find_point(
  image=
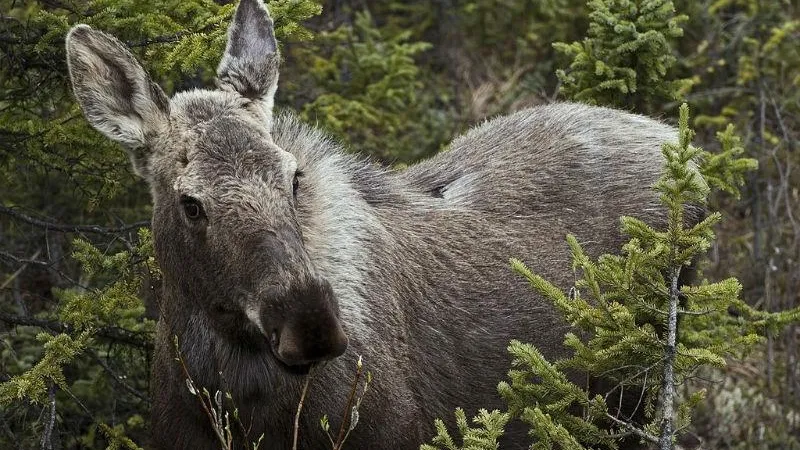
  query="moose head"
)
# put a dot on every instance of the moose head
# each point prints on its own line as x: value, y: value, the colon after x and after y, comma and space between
x: 227, y: 231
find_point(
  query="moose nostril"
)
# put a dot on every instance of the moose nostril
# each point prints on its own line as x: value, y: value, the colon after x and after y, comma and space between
x: 273, y: 337
x: 288, y: 346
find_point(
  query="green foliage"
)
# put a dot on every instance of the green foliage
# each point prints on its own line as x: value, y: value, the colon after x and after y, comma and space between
x: 367, y: 76
x: 34, y: 384
x: 91, y: 317
x: 288, y: 16
x: 195, y: 31
x: 621, y: 323
x: 490, y: 427
x: 118, y: 303
x: 542, y: 396
x: 117, y: 439
x: 625, y: 59
x: 725, y: 170
x: 747, y: 64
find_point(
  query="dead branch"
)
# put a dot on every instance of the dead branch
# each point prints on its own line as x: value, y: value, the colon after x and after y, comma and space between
x: 72, y: 228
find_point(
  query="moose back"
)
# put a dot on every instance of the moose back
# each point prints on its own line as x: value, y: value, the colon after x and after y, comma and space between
x: 280, y: 251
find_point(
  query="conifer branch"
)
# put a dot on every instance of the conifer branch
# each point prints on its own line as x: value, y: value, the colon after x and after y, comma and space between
x: 67, y: 228
x: 117, y: 335
x: 171, y: 38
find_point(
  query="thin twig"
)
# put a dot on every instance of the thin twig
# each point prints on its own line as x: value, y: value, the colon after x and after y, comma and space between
x: 641, y: 396
x: 236, y: 417
x: 199, y: 394
x: 629, y: 379
x: 348, y: 405
x: 118, y: 379
x: 788, y: 139
x: 642, y: 434
x: 357, y: 407
x: 14, y: 275
x: 297, y: 415
x: 48, y: 265
x: 80, y: 404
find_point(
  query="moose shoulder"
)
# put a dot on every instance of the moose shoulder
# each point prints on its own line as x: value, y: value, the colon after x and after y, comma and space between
x: 280, y: 251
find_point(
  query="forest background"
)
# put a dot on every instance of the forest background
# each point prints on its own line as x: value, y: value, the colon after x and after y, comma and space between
x: 397, y: 81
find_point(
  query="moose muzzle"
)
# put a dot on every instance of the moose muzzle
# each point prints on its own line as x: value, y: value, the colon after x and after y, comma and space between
x: 303, y: 342
x: 310, y: 331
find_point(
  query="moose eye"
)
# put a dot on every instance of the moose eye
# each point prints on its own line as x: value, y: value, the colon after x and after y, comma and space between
x: 296, y: 182
x: 191, y: 207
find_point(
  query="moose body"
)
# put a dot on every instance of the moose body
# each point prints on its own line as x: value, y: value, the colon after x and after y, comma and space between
x: 280, y: 250
x: 418, y: 261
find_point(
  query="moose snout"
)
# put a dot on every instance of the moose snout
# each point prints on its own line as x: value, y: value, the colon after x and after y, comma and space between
x: 308, y: 341
x: 309, y: 330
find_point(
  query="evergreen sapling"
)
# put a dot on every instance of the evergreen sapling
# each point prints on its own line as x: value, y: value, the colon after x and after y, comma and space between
x: 635, y: 327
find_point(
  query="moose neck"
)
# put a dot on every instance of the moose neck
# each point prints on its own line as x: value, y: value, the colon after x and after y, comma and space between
x: 340, y: 213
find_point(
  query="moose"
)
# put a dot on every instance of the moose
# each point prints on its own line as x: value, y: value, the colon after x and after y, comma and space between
x: 283, y: 253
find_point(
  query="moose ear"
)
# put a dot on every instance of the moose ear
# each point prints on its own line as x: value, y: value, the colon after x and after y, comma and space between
x: 250, y: 63
x: 117, y: 96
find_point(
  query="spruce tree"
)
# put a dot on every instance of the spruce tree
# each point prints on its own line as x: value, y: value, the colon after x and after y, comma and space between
x: 364, y: 74
x: 624, y: 293
x: 626, y: 57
